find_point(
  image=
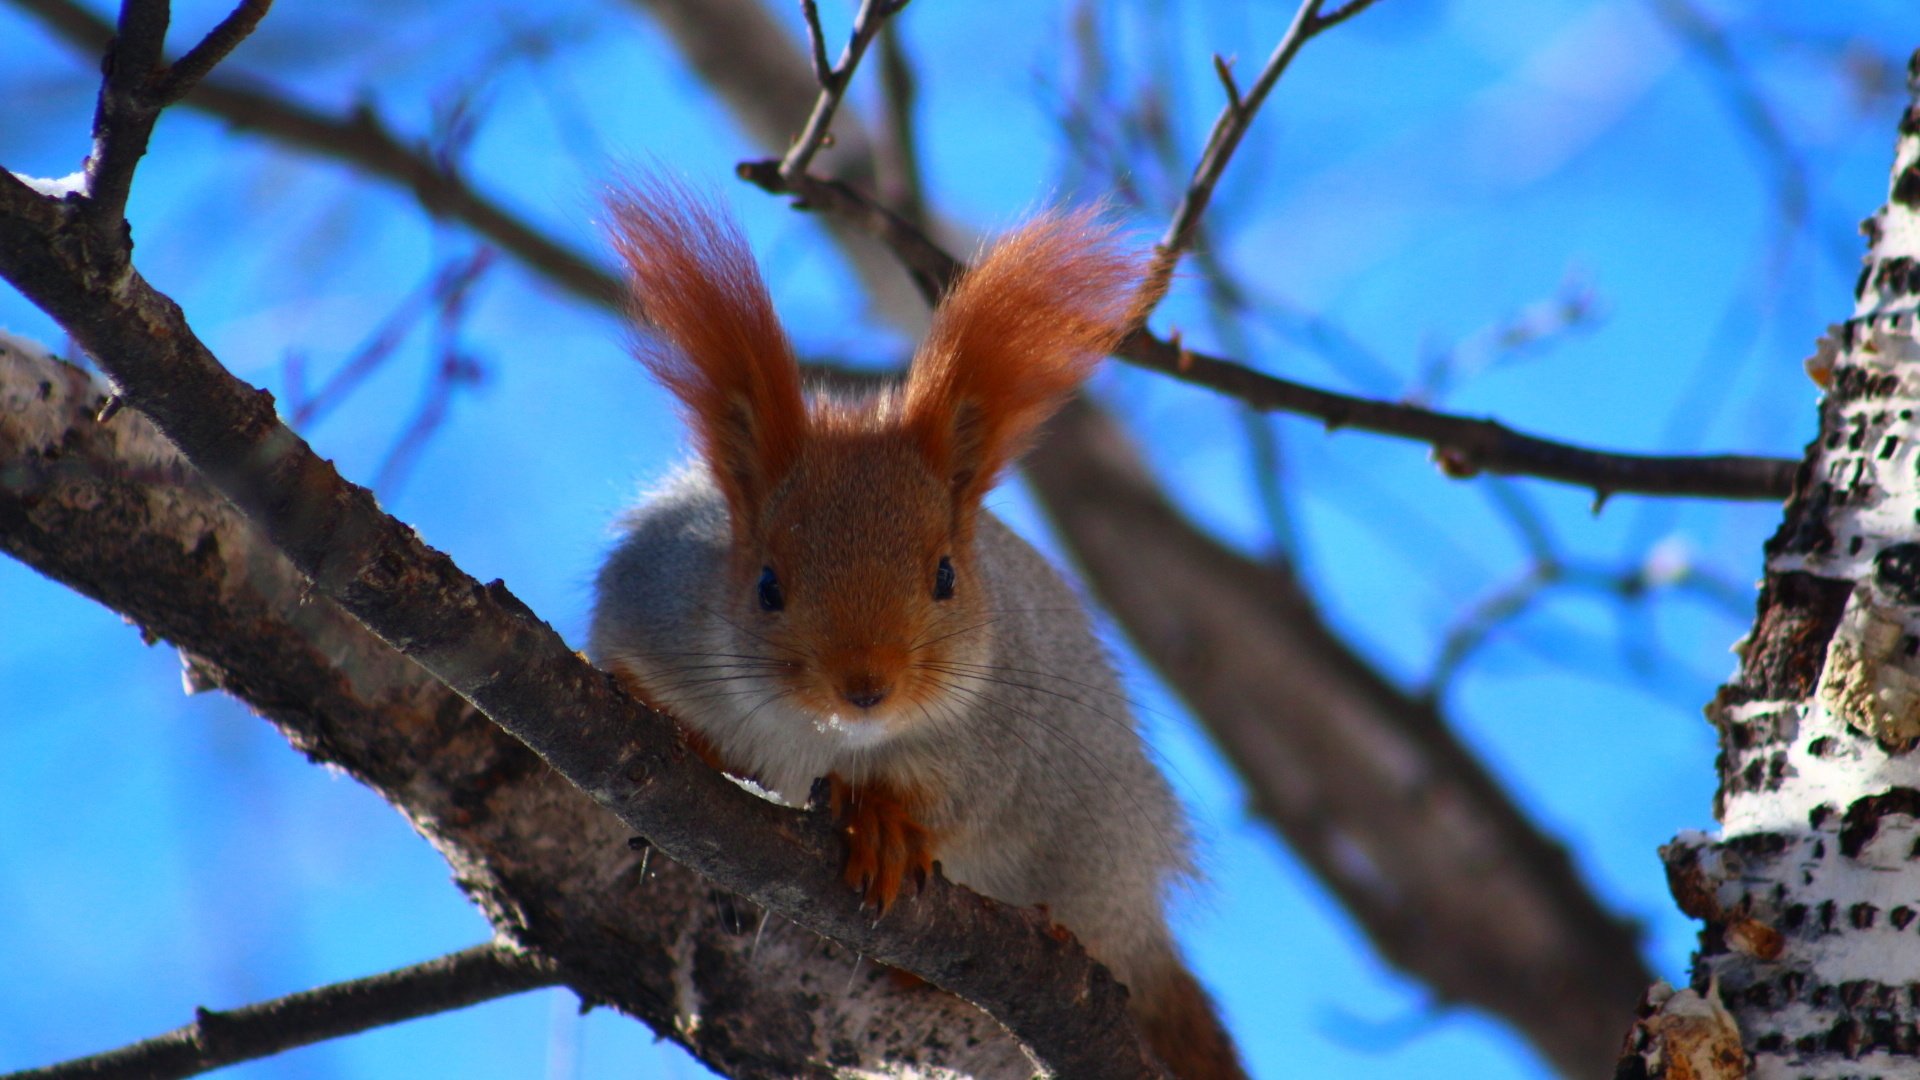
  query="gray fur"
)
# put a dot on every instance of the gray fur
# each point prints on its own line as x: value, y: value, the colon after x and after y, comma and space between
x: 1053, y: 800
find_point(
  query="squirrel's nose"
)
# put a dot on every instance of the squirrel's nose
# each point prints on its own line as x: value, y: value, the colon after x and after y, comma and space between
x: 864, y: 691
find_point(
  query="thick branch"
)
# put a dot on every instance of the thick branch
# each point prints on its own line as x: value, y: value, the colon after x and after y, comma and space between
x: 1355, y: 774
x: 487, y: 646
x: 1462, y: 445
x: 110, y: 509
x: 217, y: 1039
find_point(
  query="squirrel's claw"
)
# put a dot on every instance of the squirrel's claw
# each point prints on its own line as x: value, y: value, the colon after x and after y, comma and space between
x: 886, y: 845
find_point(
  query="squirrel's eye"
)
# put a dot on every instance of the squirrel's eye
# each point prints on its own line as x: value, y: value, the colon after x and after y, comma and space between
x: 770, y: 596
x: 943, y: 580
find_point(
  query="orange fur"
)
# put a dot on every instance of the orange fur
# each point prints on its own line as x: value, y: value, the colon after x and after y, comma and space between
x: 1022, y: 328
x: 716, y: 342
x: 886, y: 844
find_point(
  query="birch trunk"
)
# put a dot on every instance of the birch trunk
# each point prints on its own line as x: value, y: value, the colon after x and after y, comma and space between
x: 1811, y: 892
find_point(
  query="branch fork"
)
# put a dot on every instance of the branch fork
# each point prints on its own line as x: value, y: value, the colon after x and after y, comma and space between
x: 867, y: 23
x: 138, y: 86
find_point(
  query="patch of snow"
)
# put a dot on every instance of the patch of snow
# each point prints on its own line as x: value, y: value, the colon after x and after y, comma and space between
x: 74, y: 183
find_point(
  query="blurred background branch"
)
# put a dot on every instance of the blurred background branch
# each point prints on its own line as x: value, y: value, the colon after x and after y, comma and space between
x: 217, y: 1039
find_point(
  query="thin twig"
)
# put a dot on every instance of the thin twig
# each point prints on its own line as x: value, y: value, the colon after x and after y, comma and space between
x: 449, y: 280
x: 1228, y: 129
x: 873, y: 14
x: 931, y: 268
x: 1542, y: 580
x: 817, y: 42
x: 1341, y: 14
x: 1534, y: 329
x: 363, y: 140
x: 187, y: 71
x: 218, y: 1039
x: 455, y: 368
x: 1223, y: 68
x: 1472, y: 630
x: 1462, y: 445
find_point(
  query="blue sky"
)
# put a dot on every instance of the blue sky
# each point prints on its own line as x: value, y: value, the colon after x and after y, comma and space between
x: 1426, y: 175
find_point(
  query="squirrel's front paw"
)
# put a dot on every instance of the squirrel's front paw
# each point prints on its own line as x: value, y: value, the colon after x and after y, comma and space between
x: 885, y: 843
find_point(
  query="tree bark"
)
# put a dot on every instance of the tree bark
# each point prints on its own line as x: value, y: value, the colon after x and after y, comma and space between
x: 111, y: 510
x: 1811, y: 892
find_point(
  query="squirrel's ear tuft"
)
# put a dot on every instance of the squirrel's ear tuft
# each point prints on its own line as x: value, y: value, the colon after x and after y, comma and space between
x: 1018, y: 333
x: 710, y: 335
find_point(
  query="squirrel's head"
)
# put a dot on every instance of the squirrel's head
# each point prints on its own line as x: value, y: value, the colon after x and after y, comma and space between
x: 853, y: 574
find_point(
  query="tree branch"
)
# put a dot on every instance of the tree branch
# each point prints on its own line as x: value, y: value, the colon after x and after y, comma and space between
x: 1228, y: 129
x: 136, y: 87
x: 489, y: 648
x: 816, y: 43
x: 111, y: 510
x: 124, y: 112
x: 739, y: 50
x: 873, y: 15
x: 217, y: 1039
x: 362, y: 140
x: 1463, y: 446
x: 187, y: 72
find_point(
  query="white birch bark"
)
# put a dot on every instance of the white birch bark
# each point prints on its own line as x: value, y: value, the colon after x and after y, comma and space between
x: 1811, y: 891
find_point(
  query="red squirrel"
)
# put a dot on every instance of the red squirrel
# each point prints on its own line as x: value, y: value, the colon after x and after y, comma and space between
x: 822, y: 594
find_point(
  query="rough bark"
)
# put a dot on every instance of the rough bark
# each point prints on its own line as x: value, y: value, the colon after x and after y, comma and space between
x: 111, y: 510
x: 1811, y: 892
x: 497, y: 654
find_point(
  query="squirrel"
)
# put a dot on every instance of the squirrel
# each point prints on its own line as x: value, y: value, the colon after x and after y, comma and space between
x: 822, y: 594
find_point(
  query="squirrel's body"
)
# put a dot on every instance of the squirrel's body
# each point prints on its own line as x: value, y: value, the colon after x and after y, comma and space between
x: 822, y: 595
x: 1034, y: 781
